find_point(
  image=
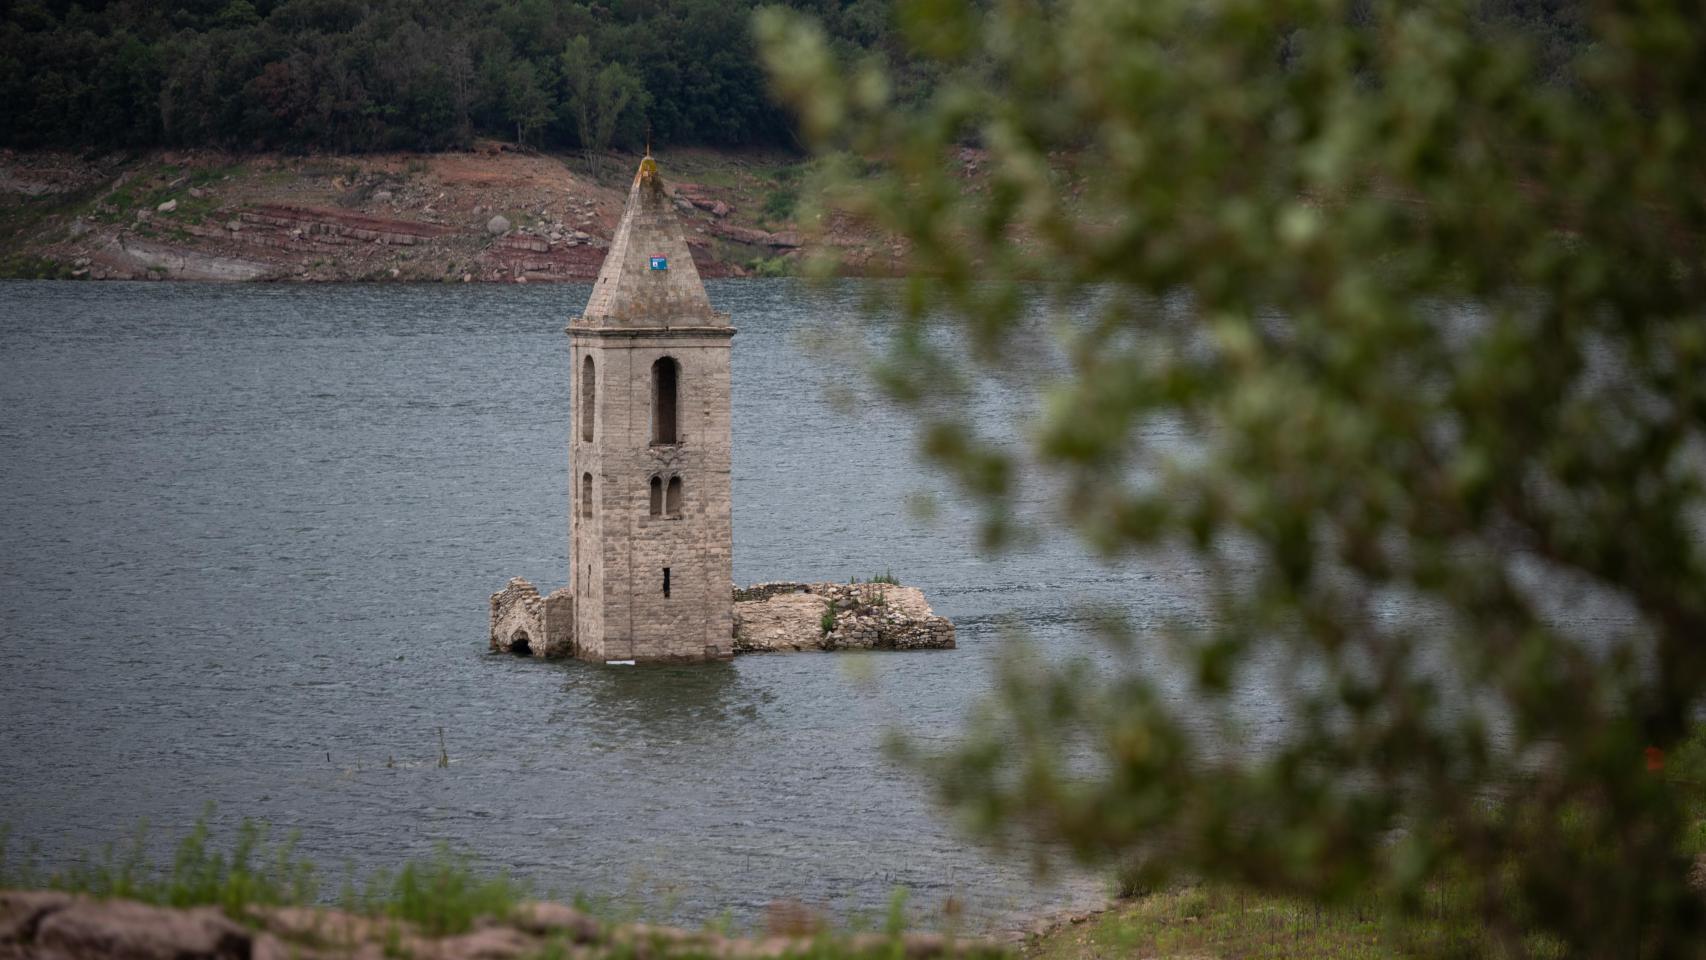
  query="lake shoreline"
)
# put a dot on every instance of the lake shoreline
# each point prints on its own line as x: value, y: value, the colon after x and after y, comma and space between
x: 56, y: 924
x: 492, y: 214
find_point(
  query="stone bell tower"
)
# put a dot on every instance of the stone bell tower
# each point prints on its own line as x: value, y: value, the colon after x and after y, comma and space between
x: 650, y: 539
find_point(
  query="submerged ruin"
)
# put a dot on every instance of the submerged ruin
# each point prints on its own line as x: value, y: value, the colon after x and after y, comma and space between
x: 768, y: 618
x: 650, y: 534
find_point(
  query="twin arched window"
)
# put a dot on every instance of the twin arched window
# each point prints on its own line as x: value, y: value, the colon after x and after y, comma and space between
x: 666, y: 499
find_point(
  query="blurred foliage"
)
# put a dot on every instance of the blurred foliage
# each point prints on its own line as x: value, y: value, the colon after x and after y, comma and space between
x: 1424, y: 283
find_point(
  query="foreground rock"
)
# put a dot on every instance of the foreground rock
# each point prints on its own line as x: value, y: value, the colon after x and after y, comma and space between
x: 47, y: 925
x: 768, y: 618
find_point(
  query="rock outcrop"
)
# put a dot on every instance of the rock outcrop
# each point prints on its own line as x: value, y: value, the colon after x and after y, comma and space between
x: 173, y: 263
x: 772, y: 617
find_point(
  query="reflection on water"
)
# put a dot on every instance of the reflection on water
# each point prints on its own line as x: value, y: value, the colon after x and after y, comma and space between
x: 681, y: 704
x: 246, y: 540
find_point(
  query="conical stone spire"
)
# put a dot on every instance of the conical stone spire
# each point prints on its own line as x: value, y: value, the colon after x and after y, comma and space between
x: 648, y: 278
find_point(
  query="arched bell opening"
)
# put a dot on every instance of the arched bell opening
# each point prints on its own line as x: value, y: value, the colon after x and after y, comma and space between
x: 665, y: 382
x: 589, y: 396
x: 520, y: 644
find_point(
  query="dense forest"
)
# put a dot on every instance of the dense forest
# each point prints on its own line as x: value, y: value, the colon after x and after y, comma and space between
x: 358, y: 75
x: 354, y: 75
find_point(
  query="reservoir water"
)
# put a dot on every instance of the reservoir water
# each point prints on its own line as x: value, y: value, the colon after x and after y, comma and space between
x: 247, y: 535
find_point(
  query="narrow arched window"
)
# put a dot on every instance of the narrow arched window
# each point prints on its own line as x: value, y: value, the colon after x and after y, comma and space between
x: 657, y: 496
x: 589, y: 394
x: 672, y: 502
x: 586, y: 495
x: 665, y: 373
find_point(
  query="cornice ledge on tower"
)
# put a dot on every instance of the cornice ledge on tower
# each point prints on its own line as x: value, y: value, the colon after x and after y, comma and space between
x: 649, y: 332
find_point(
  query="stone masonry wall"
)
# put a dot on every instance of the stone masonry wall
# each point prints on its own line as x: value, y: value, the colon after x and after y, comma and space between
x: 621, y: 550
x: 559, y: 626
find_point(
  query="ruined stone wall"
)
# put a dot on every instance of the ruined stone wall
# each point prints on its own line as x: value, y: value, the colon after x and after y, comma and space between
x: 518, y: 618
x: 524, y: 622
x: 764, y: 591
x: 836, y: 616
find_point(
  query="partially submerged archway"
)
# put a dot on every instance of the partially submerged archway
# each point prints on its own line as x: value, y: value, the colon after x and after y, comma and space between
x: 520, y: 644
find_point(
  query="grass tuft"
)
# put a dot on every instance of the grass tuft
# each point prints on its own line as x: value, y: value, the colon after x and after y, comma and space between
x: 441, y: 896
x: 445, y: 895
x: 255, y: 871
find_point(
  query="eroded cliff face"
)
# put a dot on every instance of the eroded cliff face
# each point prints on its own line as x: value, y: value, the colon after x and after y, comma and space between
x: 768, y: 618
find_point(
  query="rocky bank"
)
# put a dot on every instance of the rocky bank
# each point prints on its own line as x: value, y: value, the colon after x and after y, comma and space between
x: 774, y: 617
x: 50, y: 925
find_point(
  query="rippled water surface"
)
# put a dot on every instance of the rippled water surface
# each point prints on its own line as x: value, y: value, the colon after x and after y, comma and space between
x: 246, y: 539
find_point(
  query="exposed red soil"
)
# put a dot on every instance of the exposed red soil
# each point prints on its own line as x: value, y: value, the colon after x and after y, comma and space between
x: 494, y: 214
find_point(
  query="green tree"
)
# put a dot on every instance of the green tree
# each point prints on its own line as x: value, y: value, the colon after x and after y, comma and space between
x: 598, y: 96
x: 237, y: 15
x: 368, y: 76
x: 527, y: 105
x: 1430, y: 304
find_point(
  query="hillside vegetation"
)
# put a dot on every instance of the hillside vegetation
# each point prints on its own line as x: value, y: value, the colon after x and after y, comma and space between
x: 358, y: 76
x: 351, y: 75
